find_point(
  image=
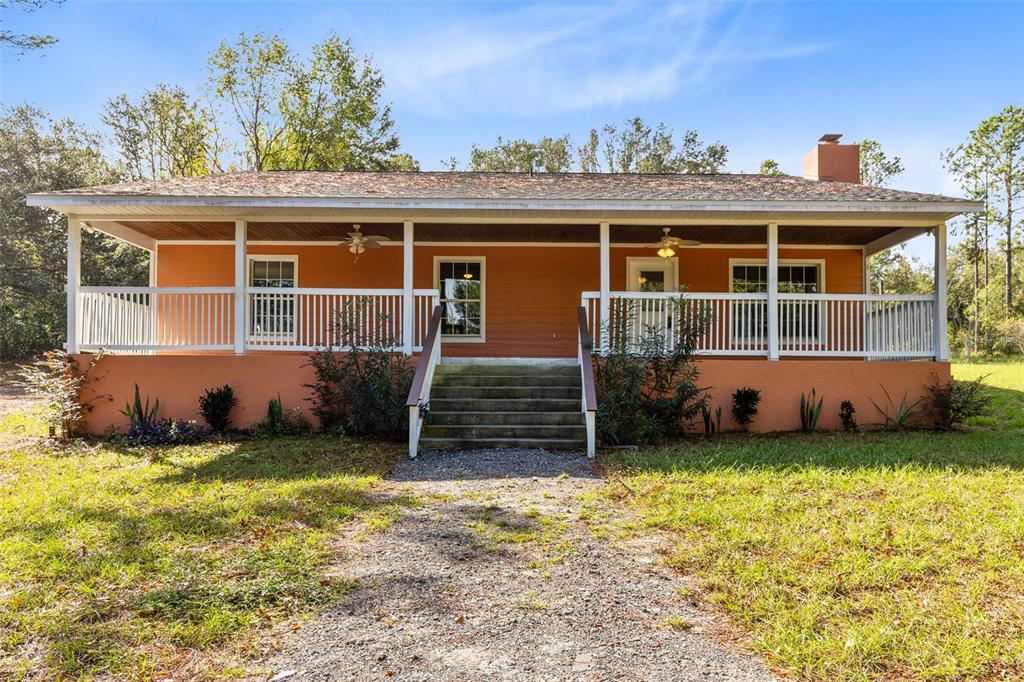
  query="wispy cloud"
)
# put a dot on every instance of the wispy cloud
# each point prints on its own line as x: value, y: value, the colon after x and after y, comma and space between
x: 544, y: 59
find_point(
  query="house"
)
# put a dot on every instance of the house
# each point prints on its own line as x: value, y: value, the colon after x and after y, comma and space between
x: 249, y: 271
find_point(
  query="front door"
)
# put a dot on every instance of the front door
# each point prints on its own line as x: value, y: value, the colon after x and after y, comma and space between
x: 650, y: 319
x: 654, y: 275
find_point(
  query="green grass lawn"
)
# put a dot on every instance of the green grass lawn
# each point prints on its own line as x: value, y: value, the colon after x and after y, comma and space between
x: 125, y: 565
x: 855, y: 557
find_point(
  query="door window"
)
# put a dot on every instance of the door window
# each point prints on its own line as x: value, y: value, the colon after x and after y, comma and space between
x: 461, y: 283
x: 272, y: 315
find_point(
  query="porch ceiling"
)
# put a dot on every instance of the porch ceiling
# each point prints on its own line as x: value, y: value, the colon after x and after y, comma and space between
x: 174, y: 230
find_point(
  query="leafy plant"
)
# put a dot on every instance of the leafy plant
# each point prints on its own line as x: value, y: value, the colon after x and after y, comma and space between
x: 215, y: 405
x: 744, y: 405
x: 954, y: 402
x: 58, y: 381
x: 139, y: 415
x: 646, y: 381
x: 846, y: 412
x: 712, y: 423
x: 361, y: 387
x: 278, y: 422
x: 896, y: 417
x: 810, y: 411
x: 163, y: 432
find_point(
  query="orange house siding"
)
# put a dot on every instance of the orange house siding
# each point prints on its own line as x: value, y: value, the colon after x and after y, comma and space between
x: 531, y: 292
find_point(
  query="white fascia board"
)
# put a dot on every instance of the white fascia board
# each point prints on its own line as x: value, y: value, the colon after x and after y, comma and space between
x: 892, y: 239
x: 126, y: 234
x: 56, y: 201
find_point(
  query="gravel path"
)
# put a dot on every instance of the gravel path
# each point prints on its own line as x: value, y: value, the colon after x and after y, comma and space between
x: 495, y: 578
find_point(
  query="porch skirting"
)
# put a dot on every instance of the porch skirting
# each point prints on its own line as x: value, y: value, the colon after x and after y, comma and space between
x: 178, y: 381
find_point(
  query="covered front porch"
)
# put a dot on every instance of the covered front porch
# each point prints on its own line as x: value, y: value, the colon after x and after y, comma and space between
x: 282, y: 283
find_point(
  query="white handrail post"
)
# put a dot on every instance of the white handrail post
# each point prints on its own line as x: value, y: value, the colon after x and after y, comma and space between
x: 605, y: 321
x: 74, y: 284
x: 941, y: 334
x: 241, y: 279
x: 773, y: 291
x: 408, y: 309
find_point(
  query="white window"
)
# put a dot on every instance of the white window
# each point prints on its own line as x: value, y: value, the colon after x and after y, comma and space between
x: 272, y: 313
x: 797, y: 322
x: 794, y: 277
x: 461, y: 283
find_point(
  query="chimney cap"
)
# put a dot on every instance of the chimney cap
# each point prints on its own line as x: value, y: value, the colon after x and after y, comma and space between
x: 830, y: 138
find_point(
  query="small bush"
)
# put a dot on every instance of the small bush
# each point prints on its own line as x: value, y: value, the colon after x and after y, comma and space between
x: 846, y: 412
x: 809, y: 412
x: 141, y: 416
x: 58, y: 383
x: 361, y: 388
x: 712, y: 422
x: 955, y: 402
x: 744, y: 405
x: 896, y: 417
x: 281, y: 423
x: 215, y: 405
x: 163, y: 432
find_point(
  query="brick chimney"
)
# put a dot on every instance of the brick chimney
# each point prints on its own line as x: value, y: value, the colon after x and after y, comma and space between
x: 833, y: 161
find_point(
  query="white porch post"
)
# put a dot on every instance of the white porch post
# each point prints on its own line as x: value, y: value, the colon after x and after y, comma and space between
x: 941, y: 333
x: 605, y: 236
x: 152, y: 266
x: 773, y: 291
x: 74, y: 282
x: 241, y: 280
x: 408, y: 302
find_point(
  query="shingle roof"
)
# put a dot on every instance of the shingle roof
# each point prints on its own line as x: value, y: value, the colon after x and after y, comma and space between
x: 507, y: 186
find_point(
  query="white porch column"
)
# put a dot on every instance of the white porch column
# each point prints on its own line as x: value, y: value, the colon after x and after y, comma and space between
x: 152, y: 266
x: 941, y: 331
x: 241, y: 282
x: 74, y: 283
x: 773, y: 291
x: 605, y: 237
x: 408, y: 300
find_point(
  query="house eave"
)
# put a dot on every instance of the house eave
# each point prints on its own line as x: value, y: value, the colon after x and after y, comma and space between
x: 72, y: 203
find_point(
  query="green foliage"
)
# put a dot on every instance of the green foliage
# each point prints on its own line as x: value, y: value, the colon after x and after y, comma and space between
x: 643, y: 393
x: 876, y: 167
x: 712, y: 422
x: 40, y: 154
x: 810, y: 411
x: 893, y: 272
x: 58, y: 382
x: 770, y: 167
x: 361, y: 387
x: 896, y: 417
x: 20, y: 43
x: 744, y: 405
x: 215, y: 405
x: 140, y: 415
x: 550, y: 155
x: 954, y: 402
x: 846, y: 416
x: 278, y: 422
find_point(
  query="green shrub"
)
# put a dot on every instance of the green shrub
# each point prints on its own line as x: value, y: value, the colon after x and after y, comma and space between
x: 712, y: 423
x: 278, y: 422
x: 896, y: 417
x: 846, y: 412
x: 58, y: 382
x: 139, y: 415
x: 644, y: 393
x: 809, y: 412
x: 361, y: 387
x: 215, y: 405
x: 744, y: 405
x: 954, y: 402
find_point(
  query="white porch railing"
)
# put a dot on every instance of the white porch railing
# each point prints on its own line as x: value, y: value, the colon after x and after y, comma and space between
x: 142, y: 319
x: 827, y: 325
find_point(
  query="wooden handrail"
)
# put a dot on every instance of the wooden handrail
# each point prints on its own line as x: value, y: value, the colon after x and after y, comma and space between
x: 587, y: 362
x: 433, y: 334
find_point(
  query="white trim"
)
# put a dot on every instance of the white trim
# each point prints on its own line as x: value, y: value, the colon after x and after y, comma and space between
x: 408, y: 300
x: 782, y: 262
x: 773, y: 290
x: 74, y: 284
x: 262, y: 337
x: 241, y: 313
x: 604, y: 256
x: 575, y: 245
x: 410, y: 204
x: 127, y: 234
x: 482, y: 260
x: 671, y: 283
x: 941, y: 295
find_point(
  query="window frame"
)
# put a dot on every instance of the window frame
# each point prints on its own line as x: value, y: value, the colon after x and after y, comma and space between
x: 819, y: 262
x: 252, y: 258
x: 482, y: 260
x: 671, y: 285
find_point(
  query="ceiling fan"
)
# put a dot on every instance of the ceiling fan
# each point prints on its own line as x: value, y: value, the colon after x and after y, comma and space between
x: 668, y: 244
x: 358, y: 242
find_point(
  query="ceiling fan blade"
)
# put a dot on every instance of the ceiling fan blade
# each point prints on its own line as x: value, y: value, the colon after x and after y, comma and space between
x: 376, y: 237
x: 371, y: 245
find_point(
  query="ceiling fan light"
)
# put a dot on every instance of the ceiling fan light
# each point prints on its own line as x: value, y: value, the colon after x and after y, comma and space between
x: 666, y: 252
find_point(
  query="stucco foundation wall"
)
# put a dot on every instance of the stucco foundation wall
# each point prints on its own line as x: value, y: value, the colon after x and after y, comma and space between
x: 178, y: 381
x: 782, y: 382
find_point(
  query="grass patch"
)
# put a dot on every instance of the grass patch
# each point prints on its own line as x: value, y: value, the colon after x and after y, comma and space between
x: 123, y: 564
x: 855, y: 556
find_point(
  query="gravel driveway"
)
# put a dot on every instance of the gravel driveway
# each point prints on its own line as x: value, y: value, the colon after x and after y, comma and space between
x: 495, y: 578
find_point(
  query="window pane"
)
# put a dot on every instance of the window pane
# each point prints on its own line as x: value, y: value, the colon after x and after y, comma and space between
x: 259, y: 269
x: 461, y: 293
x: 288, y: 270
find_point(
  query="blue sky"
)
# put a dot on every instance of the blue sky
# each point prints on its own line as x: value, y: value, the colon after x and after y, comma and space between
x: 766, y: 78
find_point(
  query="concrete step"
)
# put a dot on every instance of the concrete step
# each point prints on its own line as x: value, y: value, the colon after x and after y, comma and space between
x: 481, y: 443
x: 461, y: 404
x: 497, y: 431
x: 509, y: 370
x: 467, y: 418
x: 469, y: 393
x: 506, y: 380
